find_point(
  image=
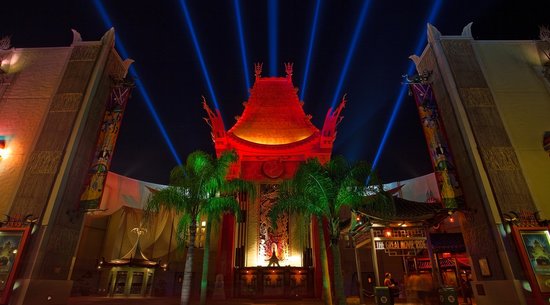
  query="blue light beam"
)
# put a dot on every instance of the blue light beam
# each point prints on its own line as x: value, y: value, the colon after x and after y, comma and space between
x: 310, y: 48
x: 351, y: 49
x: 272, y: 34
x: 241, y: 42
x: 139, y: 85
x: 421, y: 43
x: 199, y: 53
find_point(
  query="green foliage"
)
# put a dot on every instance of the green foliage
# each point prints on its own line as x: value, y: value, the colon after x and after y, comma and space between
x: 322, y: 190
x: 200, y: 187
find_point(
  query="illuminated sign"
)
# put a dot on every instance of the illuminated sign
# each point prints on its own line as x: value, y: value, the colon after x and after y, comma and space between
x: 400, y: 244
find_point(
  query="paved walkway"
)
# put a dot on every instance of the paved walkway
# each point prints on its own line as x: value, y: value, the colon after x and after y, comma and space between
x: 176, y: 300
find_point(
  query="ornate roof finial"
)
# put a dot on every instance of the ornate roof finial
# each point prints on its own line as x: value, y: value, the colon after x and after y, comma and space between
x: 5, y: 43
x: 258, y: 70
x: 288, y: 69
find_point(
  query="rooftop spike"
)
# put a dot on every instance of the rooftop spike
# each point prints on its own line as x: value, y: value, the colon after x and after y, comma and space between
x: 288, y: 70
x: 258, y: 70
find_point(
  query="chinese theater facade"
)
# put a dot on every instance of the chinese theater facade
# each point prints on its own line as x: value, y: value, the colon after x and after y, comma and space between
x: 271, y: 137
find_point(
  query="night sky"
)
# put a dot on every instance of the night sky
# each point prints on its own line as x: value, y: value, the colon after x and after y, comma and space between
x: 156, y: 36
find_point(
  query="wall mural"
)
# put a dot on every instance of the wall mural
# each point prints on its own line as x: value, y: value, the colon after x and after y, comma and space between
x: 270, y: 238
x: 97, y: 173
x: 440, y: 152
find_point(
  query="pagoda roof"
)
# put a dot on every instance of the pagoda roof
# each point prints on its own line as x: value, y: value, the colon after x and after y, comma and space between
x: 273, y: 114
x: 408, y: 211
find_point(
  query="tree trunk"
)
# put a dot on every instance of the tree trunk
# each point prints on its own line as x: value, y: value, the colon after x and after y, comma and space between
x: 327, y: 294
x: 338, y: 278
x: 205, y: 261
x: 188, y: 271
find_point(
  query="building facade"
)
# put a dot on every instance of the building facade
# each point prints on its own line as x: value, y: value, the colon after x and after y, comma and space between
x: 272, y: 137
x: 53, y: 103
x: 494, y: 102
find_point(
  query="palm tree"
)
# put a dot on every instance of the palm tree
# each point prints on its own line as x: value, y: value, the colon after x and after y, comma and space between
x: 291, y: 200
x: 224, y: 202
x: 323, y: 190
x: 198, y: 187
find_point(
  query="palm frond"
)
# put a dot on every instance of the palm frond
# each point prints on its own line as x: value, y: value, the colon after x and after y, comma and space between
x: 171, y: 197
x: 198, y: 162
x: 217, y: 206
x: 177, y: 176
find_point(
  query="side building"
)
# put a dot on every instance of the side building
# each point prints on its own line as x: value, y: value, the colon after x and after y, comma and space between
x: 53, y: 105
x: 494, y: 102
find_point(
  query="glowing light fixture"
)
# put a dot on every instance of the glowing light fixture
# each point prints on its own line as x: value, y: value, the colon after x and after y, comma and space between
x: 351, y: 49
x: 3, y: 150
x: 199, y: 52
x: 421, y: 42
x: 139, y: 85
x: 272, y: 34
x: 388, y: 232
x: 242, y: 45
x: 310, y: 48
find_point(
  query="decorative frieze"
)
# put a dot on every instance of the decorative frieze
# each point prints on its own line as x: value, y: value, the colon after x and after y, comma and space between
x: 476, y: 97
x: 85, y: 53
x: 44, y: 162
x: 500, y: 158
x: 66, y: 102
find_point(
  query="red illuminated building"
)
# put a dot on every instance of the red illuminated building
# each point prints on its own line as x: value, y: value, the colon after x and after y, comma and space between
x: 272, y: 137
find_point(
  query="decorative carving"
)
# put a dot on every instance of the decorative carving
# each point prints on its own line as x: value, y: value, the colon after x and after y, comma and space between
x: 523, y: 218
x: 76, y: 36
x: 85, y: 53
x: 544, y: 35
x: 467, y: 30
x: 273, y: 168
x: 272, y: 239
x: 215, y: 122
x: 476, y: 97
x: 118, y: 69
x: 288, y: 70
x: 5, y: 43
x: 500, y: 158
x: 332, y: 120
x: 421, y: 78
x: 258, y: 70
x: 433, y: 33
x: 415, y: 59
x: 44, y: 162
x: 18, y: 221
x: 126, y: 64
x: 66, y: 102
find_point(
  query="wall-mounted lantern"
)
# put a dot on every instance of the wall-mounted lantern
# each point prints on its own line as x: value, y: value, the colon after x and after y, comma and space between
x: 3, y: 148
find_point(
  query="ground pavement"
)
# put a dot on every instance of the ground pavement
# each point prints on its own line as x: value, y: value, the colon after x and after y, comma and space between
x: 176, y: 300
